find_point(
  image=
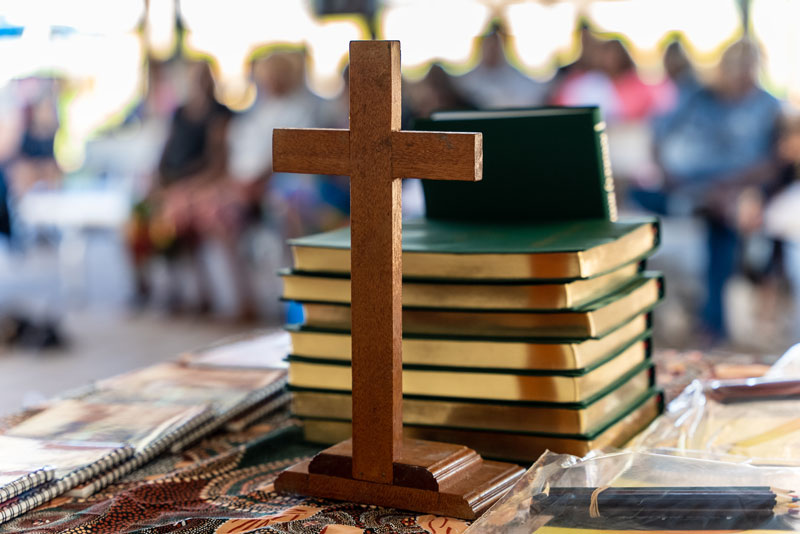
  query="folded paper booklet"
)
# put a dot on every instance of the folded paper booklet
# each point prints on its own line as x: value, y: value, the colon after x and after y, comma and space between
x: 226, y: 390
x: 513, y: 446
x: 483, y: 414
x: 230, y: 392
x: 591, y: 321
x: 485, y: 251
x: 500, y: 295
x: 139, y: 425
x: 494, y: 384
x: 470, y: 351
x: 56, y: 466
x: 149, y: 428
x: 257, y: 350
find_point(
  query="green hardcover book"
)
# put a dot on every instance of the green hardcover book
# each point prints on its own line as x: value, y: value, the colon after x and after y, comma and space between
x: 523, y: 447
x: 482, y: 414
x: 560, y: 250
x: 591, y: 321
x: 554, y: 354
x: 485, y: 383
x: 469, y: 294
x: 542, y: 164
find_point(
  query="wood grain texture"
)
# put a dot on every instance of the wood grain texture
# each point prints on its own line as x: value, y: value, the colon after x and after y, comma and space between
x: 311, y: 150
x: 421, y: 464
x: 437, y: 155
x: 465, y: 497
x: 375, y: 259
x: 377, y: 466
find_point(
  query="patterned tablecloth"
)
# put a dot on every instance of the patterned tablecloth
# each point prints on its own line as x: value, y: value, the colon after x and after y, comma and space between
x: 222, y: 485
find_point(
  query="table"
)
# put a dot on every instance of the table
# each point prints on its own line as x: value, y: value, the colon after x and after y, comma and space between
x: 222, y: 485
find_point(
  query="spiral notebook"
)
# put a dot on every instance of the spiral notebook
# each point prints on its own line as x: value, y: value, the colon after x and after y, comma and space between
x: 148, y: 428
x: 16, y: 479
x: 53, y: 468
x: 229, y: 392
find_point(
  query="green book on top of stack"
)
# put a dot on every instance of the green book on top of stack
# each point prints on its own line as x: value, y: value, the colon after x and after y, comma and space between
x: 541, y: 164
x: 448, y: 250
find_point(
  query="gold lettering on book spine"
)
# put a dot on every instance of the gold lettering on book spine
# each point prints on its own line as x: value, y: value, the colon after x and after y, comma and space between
x: 608, y: 184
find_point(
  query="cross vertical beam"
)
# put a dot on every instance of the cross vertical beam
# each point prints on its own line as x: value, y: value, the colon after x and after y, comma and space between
x: 375, y: 261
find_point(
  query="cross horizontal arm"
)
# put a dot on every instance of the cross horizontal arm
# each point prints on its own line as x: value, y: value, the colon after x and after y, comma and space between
x: 311, y: 150
x: 437, y: 155
x: 432, y: 155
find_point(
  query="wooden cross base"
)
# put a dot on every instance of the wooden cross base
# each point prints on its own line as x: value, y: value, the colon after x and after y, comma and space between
x: 434, y: 478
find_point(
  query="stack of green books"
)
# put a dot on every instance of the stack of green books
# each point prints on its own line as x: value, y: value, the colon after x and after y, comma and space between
x: 519, y: 335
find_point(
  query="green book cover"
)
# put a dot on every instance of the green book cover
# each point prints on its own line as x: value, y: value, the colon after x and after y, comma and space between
x: 496, y: 370
x: 604, y: 425
x: 594, y: 320
x: 448, y: 250
x: 646, y: 365
x: 497, y: 339
x: 588, y: 436
x: 540, y: 164
x: 447, y: 237
x: 636, y: 283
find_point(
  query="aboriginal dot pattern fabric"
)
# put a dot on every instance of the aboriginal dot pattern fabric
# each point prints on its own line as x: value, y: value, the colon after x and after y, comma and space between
x: 223, y: 485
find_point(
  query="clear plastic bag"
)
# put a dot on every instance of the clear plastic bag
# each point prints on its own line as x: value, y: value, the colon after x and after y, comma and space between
x: 788, y: 366
x: 752, y: 421
x: 642, y: 490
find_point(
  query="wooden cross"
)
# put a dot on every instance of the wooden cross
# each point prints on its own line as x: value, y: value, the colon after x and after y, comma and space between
x: 376, y: 154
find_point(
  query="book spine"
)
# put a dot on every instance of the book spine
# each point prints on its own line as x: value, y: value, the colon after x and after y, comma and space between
x: 23, y: 484
x: 605, y: 160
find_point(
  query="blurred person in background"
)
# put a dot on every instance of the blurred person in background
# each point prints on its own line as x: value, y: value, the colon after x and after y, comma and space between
x: 297, y: 204
x: 10, y: 133
x: 34, y: 163
x: 636, y: 99
x: 159, y: 99
x: 27, y: 133
x: 436, y: 92
x: 718, y: 144
x: 680, y: 71
x: 584, y: 82
x: 782, y: 205
x: 130, y: 152
x: 494, y: 82
x: 281, y: 99
x: 648, y: 189
x: 186, y: 204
